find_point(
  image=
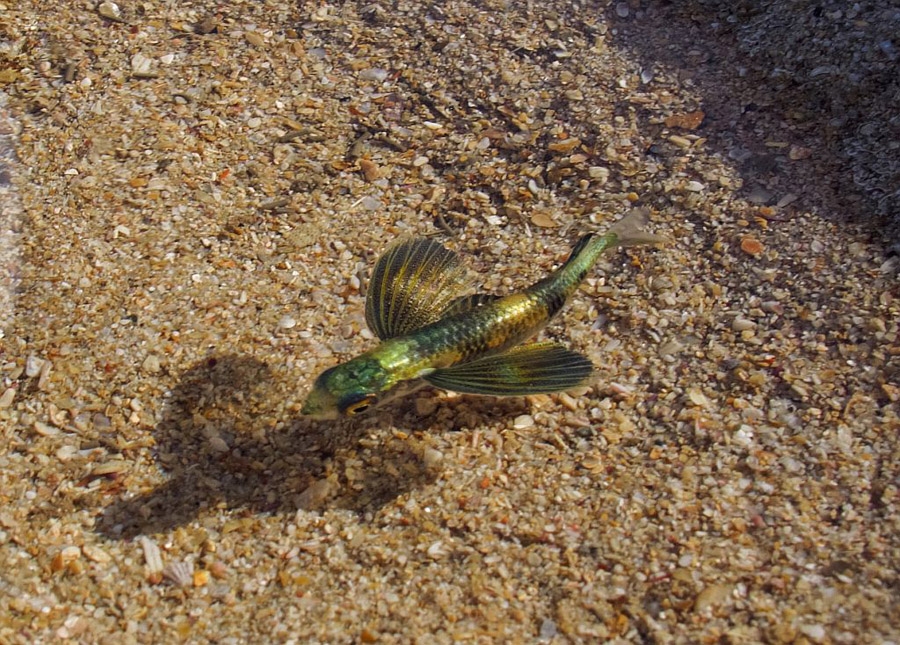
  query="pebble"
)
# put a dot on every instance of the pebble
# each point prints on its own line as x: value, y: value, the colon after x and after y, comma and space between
x: 96, y: 554
x: 759, y: 195
x: 287, y: 322
x: 432, y: 457
x: 110, y: 10
x: 7, y: 398
x: 33, y: 366
x: 377, y: 74
x: 751, y: 246
x: 198, y: 180
x: 742, y: 324
x: 711, y: 596
x: 314, y: 495
x: 523, y: 421
x: 426, y: 405
x: 151, y: 364
x: 599, y: 173
x: 814, y: 632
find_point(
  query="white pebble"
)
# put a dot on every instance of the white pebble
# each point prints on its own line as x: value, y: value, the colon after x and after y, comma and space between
x: 523, y: 421
x: 742, y: 324
x: 432, y: 457
x: 151, y: 364
x: 6, y: 399
x: 33, y: 365
x: 815, y: 633
x: 287, y: 322
x: 373, y: 74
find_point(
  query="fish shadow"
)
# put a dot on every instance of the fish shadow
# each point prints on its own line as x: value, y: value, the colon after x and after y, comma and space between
x: 221, y: 446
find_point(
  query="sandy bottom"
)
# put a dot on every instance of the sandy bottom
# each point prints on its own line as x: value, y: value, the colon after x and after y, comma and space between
x: 192, y: 196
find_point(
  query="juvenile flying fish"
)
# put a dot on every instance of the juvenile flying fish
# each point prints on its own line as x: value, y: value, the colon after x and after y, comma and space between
x: 431, y: 333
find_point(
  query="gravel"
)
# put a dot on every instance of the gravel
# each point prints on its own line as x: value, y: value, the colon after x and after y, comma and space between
x: 192, y: 196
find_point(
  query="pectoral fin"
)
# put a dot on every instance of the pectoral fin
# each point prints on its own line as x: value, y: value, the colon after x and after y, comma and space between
x: 412, y: 285
x: 537, y: 368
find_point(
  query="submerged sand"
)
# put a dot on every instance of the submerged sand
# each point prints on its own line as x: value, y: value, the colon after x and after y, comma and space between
x: 192, y: 196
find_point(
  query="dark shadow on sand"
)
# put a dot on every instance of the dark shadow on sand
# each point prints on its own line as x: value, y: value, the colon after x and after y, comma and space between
x: 218, y: 448
x: 758, y: 90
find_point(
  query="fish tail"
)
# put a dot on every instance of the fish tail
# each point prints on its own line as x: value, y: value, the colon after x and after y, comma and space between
x: 629, y: 231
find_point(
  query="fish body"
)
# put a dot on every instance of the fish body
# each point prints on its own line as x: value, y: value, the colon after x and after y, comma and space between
x: 472, y: 344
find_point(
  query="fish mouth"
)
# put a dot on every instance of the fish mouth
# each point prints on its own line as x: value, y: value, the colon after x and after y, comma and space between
x: 318, y: 415
x: 318, y: 409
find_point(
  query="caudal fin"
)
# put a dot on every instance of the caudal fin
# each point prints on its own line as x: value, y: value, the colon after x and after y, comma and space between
x: 629, y: 231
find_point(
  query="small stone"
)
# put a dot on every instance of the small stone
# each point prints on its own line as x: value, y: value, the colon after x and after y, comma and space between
x: 200, y: 578
x: 548, y: 629
x: 742, y: 324
x: 543, y: 220
x: 7, y: 398
x: 622, y: 9
x: 370, y: 203
x: 70, y: 553
x: 599, y: 173
x: 437, y: 550
x: 796, y: 153
x: 142, y: 66
x: 96, y: 554
x: 432, y: 457
x: 218, y: 444
x: 681, y: 142
x: 33, y: 365
x: 425, y: 405
x: 815, y: 633
x: 751, y: 246
x: 891, y: 391
x: 151, y: 364
x: 712, y: 595
x: 44, y: 429
x: 315, y: 495
x: 110, y: 11
x: 694, y: 186
x: 759, y: 195
x: 686, y: 121
x: 287, y: 322
x: 255, y: 38
x: 523, y: 421
x: 377, y: 74
x: 566, y: 145
x: 369, y: 169
x: 697, y: 397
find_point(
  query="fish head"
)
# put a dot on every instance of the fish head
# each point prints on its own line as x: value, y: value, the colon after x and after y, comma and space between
x: 347, y: 389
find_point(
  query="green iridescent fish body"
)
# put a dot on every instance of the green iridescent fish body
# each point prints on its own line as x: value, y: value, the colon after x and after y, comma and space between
x: 465, y: 344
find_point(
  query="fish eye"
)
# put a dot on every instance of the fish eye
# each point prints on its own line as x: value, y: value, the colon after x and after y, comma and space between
x: 359, y: 406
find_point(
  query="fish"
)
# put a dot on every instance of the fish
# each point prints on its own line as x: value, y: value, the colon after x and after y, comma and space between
x: 433, y: 333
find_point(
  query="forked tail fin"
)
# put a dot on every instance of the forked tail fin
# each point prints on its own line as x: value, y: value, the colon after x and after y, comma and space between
x: 629, y: 231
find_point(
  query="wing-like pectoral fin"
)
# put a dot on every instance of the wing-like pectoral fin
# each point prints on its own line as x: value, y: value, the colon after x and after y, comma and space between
x: 537, y: 368
x: 412, y: 285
